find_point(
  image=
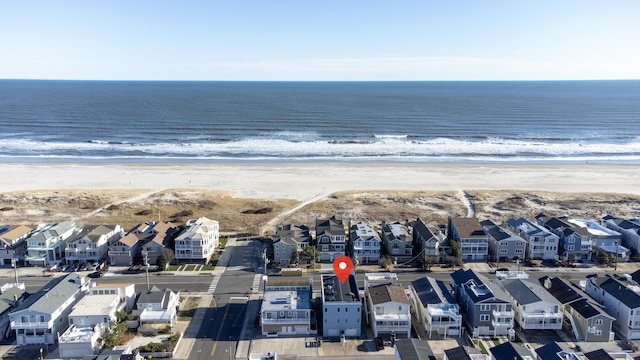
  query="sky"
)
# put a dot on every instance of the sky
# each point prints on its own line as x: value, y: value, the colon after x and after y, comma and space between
x: 304, y: 40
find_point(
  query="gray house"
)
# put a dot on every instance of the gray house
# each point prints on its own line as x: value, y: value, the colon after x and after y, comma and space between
x: 582, y: 316
x: 435, y: 308
x: 486, y: 310
x: 289, y: 238
x: 397, y: 240
x: 365, y: 243
x: 330, y: 239
x: 504, y: 245
x: 629, y: 230
x: 429, y: 240
x: 574, y: 241
x: 474, y: 242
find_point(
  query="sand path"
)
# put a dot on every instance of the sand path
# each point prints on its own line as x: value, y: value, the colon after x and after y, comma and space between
x: 129, y: 200
x: 279, y: 218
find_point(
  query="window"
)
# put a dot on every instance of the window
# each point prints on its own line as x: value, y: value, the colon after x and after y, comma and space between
x: 570, y: 247
x: 484, y: 317
x: 598, y: 321
x: 598, y: 332
x: 485, y: 307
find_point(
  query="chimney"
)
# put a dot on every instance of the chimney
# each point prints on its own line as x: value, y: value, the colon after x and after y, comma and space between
x: 547, y: 283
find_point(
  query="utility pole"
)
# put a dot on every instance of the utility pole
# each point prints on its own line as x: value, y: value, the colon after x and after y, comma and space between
x: 264, y: 259
x: 14, y: 262
x: 146, y: 263
x: 617, y: 248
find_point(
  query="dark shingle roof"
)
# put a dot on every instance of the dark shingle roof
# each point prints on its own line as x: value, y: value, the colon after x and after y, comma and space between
x: 457, y: 353
x: 461, y: 276
x: 599, y: 354
x: 586, y: 309
x: 432, y: 291
x: 509, y: 351
x: 621, y: 292
x: 560, y: 289
x: 413, y: 349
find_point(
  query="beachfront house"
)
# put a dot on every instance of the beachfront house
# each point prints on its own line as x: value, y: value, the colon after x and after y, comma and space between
x: 287, y: 239
x: 341, y: 307
x: 330, y: 239
x: 365, y: 242
x: 91, y: 244
x: 286, y: 307
x: 199, y: 240
x: 13, y: 244
x: 429, y: 241
x: 125, y: 250
x: 606, y: 240
x: 582, y: 316
x: 474, y: 242
x: 629, y: 230
x: 534, y: 307
x: 486, y: 311
x: 390, y: 311
x: 435, y: 308
x: 504, y: 245
x: 44, y: 314
x: 620, y: 297
x: 46, y: 245
x: 575, y: 243
x: 542, y: 244
x: 397, y: 240
x: 154, y: 246
x: 156, y: 308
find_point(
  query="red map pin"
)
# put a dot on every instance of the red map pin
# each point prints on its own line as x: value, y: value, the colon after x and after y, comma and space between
x: 342, y: 266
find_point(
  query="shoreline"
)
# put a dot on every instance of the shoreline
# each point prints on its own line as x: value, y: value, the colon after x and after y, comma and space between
x: 306, y: 180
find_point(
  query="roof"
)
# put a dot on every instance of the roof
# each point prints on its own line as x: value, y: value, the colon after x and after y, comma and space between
x: 14, y: 232
x: 461, y: 276
x: 286, y: 299
x: 364, y: 232
x: 163, y: 230
x: 468, y: 228
x: 331, y: 226
x: 388, y: 293
x: 458, y: 353
x: 293, y: 234
x: 620, y: 291
x: 336, y: 291
x: 560, y: 289
x: 509, y: 351
x: 288, y: 281
x: 94, y: 305
x: 7, y: 298
x: 588, y: 310
x: 155, y: 296
x: 553, y: 351
x: 413, y: 349
x: 92, y: 233
x: 425, y: 230
x: 432, y: 291
x: 599, y: 354
x: 527, y: 292
x: 55, y: 293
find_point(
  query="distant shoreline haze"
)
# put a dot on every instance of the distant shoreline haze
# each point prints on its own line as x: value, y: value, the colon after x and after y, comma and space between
x: 587, y: 121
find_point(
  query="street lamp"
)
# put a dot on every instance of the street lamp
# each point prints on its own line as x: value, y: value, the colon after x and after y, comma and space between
x: 617, y: 248
x: 145, y: 253
x: 14, y: 262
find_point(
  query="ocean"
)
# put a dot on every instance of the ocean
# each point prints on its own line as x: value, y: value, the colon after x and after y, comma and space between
x: 515, y: 121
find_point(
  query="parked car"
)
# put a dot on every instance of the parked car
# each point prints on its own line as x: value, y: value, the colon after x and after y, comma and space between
x: 379, y: 343
x: 95, y: 274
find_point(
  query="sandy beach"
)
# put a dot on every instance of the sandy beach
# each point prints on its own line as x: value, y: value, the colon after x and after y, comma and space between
x: 302, y: 181
x: 252, y: 197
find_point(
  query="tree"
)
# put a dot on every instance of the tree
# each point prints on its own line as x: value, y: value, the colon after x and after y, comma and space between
x: 168, y: 256
x: 294, y: 257
x: 571, y: 258
x: 310, y: 254
x: 427, y: 262
x: 456, y: 253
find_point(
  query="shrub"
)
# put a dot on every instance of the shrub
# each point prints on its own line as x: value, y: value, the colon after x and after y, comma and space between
x: 144, y: 212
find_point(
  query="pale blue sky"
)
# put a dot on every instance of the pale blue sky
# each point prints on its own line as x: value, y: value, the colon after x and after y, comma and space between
x: 320, y: 40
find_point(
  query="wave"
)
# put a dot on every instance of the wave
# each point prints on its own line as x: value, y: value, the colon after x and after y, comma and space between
x: 384, y: 148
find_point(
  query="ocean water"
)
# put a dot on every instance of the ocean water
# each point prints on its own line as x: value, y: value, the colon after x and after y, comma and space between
x: 93, y: 121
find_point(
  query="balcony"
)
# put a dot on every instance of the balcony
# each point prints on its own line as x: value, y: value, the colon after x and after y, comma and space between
x: 30, y: 325
x: 497, y: 324
x: 509, y: 314
x: 444, y: 310
x: 305, y: 321
x: 119, y: 253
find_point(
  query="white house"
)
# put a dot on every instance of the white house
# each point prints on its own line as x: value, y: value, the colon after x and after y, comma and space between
x: 542, y: 243
x: 286, y: 307
x: 91, y: 244
x: 13, y: 244
x: 366, y: 243
x: 78, y: 342
x: 621, y: 299
x: 534, y: 307
x: 44, y: 314
x: 157, y: 307
x: 391, y: 311
x: 608, y: 240
x: 46, y: 245
x: 198, y: 242
x: 434, y: 307
x: 126, y: 293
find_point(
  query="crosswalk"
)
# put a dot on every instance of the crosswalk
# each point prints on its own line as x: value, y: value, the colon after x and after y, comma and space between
x: 256, y: 283
x: 214, y: 284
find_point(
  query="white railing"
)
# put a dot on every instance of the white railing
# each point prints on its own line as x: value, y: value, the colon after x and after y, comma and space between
x: 29, y: 325
x: 305, y: 321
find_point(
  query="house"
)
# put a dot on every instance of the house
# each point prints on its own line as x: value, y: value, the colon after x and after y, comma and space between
x: 78, y: 342
x: 554, y: 351
x: 429, y: 240
x: 503, y: 244
x: 126, y: 293
x: 157, y: 306
x: 330, y: 239
x: 127, y: 248
x: 605, y: 239
x: 486, y: 310
x: 460, y: 353
x: 534, y: 307
x: 286, y: 307
x: 91, y: 244
x: 412, y: 349
x: 620, y: 298
x: 629, y: 230
x: 13, y: 244
x: 10, y: 297
x: 44, y: 314
x: 397, y: 240
x: 474, y: 243
x: 390, y: 313
x: 153, y: 247
x: 290, y: 238
x: 575, y: 242
x: 94, y: 309
x: 341, y: 307
x: 365, y: 242
x: 46, y: 245
x: 582, y: 316
x: 542, y: 244
x: 375, y: 279
x: 510, y: 351
x: 601, y: 354
x: 199, y: 240
x: 435, y: 307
